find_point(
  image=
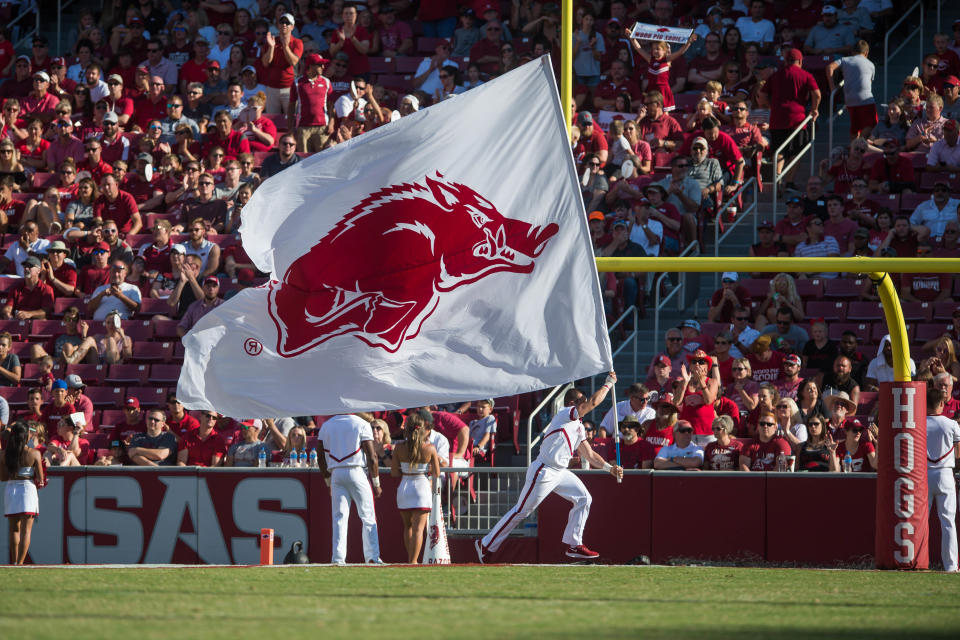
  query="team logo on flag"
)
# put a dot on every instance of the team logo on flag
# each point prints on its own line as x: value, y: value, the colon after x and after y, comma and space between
x: 378, y: 274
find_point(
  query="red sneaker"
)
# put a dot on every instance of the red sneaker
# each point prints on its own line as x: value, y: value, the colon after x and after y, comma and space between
x: 581, y: 551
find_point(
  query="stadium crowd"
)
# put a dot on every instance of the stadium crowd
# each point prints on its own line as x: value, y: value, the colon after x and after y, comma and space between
x: 127, y: 158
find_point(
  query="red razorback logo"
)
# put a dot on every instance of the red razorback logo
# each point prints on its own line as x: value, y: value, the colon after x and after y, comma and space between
x: 379, y: 272
x: 434, y: 536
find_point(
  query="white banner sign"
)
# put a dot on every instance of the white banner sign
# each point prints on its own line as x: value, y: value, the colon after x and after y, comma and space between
x: 673, y: 35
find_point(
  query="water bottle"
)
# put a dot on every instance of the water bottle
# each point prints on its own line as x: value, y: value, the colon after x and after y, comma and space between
x: 781, y: 463
x: 292, y: 460
x: 262, y: 459
x: 847, y: 463
x: 303, y: 459
x: 313, y: 459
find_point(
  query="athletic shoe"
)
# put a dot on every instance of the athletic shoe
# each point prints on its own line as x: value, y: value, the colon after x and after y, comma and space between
x: 376, y: 561
x: 581, y: 551
x: 478, y: 545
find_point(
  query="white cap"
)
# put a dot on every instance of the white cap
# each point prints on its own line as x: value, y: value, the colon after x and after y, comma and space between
x: 730, y: 275
x: 289, y: 17
x: 414, y: 101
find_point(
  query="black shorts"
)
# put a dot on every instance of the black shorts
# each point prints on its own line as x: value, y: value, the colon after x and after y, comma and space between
x: 777, y: 137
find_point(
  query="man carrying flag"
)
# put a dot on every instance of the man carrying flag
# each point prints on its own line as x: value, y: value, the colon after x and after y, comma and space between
x: 548, y: 474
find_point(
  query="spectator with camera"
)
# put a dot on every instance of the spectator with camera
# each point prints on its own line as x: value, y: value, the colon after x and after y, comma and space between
x: 116, y: 296
x: 114, y: 346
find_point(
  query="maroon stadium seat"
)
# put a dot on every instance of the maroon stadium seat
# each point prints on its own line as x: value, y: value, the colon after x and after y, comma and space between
x: 829, y: 311
x: 931, y: 331
x: 22, y: 349
x: 30, y: 374
x: 408, y: 64
x: 149, y: 352
x: 165, y: 374
x: 836, y: 329
x: 756, y: 287
x: 127, y: 374
x: 91, y: 374
x: 382, y: 65
x: 810, y: 289
x: 138, y: 329
x: 165, y: 329
x: 62, y: 304
x: 910, y: 201
x: 18, y: 329
x: 43, y: 180
x: 153, y: 306
x: 111, y: 418
x: 917, y: 311
x: 9, y: 284
x: 105, y: 397
x: 862, y: 311
x: 842, y: 289
x: 46, y: 329
x: 148, y: 396
x: 16, y: 397
x: 944, y: 310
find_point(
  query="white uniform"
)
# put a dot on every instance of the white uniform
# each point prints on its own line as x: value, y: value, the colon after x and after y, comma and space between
x: 20, y: 494
x: 943, y: 434
x: 414, y: 491
x: 623, y: 410
x: 549, y: 474
x: 342, y: 438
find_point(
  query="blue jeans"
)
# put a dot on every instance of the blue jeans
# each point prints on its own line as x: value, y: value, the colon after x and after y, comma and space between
x: 440, y: 28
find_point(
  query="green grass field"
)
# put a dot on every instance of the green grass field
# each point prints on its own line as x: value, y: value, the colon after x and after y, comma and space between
x: 465, y: 602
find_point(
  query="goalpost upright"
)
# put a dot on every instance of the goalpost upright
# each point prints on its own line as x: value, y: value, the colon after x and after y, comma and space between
x: 902, y: 513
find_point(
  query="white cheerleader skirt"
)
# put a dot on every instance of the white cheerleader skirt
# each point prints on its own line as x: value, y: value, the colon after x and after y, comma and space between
x: 413, y: 493
x: 20, y: 499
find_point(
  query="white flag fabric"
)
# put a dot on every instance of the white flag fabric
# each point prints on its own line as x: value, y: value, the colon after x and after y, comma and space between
x: 439, y: 258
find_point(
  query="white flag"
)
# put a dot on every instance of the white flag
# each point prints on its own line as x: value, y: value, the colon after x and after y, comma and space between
x: 439, y: 258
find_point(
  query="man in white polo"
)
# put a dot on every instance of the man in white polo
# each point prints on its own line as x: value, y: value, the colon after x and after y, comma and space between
x: 943, y: 434
x: 345, y: 440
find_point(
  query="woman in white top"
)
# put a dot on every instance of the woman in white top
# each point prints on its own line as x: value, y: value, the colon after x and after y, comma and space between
x: 413, y: 460
x: 22, y: 471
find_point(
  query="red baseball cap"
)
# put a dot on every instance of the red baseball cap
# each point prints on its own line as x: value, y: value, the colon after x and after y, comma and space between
x: 952, y: 80
x: 143, y: 69
x: 662, y: 359
x: 132, y: 402
x: 102, y: 245
x: 596, y: 215
x: 315, y: 58
x: 213, y: 64
x: 792, y: 359
x: 794, y: 54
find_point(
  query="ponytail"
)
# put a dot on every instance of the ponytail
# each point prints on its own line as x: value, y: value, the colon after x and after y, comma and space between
x: 415, y: 433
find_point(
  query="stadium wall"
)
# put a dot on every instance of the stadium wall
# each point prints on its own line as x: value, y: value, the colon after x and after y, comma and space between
x: 213, y: 516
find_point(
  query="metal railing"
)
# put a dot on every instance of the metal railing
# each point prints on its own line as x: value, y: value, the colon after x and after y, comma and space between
x: 752, y: 210
x: 558, y: 390
x: 887, y: 54
x: 61, y: 5
x: 834, y: 115
x: 693, y: 249
x: 25, y: 12
x: 472, y: 510
x: 787, y: 166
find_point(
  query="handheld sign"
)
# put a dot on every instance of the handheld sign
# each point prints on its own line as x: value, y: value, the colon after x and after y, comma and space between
x: 673, y: 35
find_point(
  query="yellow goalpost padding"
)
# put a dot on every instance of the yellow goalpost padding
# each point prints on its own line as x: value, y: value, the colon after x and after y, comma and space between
x: 875, y: 268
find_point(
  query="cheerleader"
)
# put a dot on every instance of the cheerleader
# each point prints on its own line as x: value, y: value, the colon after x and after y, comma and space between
x: 413, y: 460
x: 22, y: 471
x: 658, y: 66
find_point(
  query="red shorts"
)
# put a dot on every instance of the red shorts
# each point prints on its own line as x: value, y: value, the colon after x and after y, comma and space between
x: 862, y: 117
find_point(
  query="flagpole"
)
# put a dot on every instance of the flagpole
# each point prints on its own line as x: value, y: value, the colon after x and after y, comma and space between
x: 566, y: 62
x: 616, y: 427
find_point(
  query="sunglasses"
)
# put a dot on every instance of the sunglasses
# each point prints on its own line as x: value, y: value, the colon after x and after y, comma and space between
x: 720, y: 342
x: 685, y: 430
x: 674, y: 339
x: 737, y: 369
x: 766, y: 424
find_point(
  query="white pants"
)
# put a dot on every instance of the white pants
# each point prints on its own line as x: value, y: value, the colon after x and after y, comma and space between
x: 541, y: 482
x: 942, y: 489
x: 350, y: 484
